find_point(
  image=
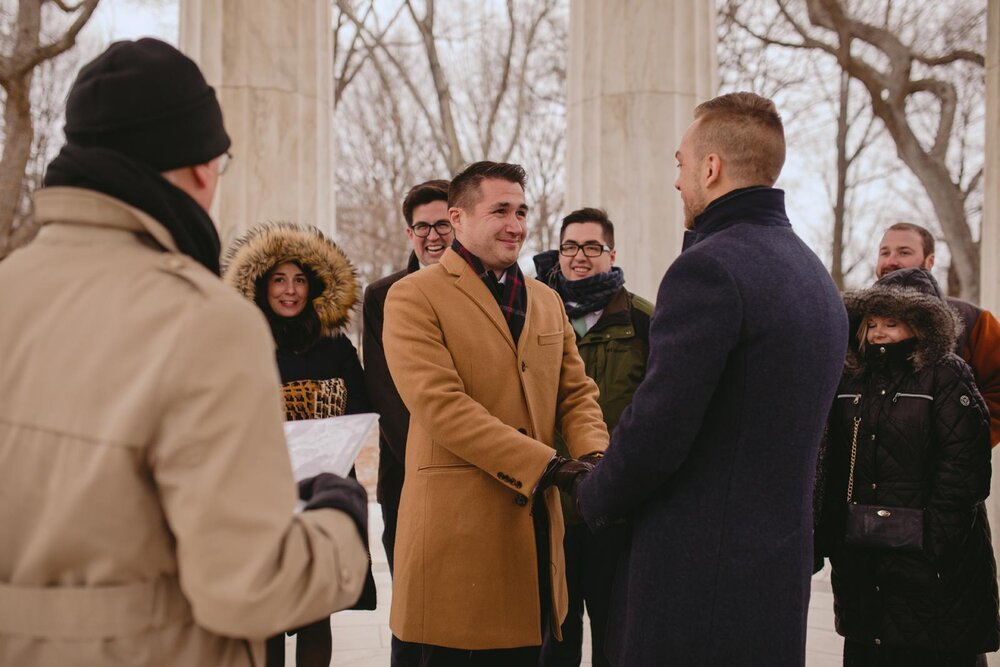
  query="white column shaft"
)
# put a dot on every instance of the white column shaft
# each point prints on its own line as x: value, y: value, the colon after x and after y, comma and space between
x: 637, y: 69
x: 271, y: 64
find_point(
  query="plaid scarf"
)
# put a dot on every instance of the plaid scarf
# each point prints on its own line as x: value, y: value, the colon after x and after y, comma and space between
x: 511, y: 295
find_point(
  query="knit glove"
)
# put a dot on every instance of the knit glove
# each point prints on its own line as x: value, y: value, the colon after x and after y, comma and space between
x: 329, y: 491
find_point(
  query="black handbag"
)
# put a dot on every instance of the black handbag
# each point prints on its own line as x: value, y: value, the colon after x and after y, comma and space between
x: 880, y: 526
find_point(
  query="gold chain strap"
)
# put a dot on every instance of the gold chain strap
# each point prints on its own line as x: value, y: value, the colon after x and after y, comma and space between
x: 854, y: 457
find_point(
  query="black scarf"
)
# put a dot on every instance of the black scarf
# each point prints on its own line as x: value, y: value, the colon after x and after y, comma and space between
x: 886, y: 357
x: 139, y: 185
x: 511, y: 296
x: 586, y: 295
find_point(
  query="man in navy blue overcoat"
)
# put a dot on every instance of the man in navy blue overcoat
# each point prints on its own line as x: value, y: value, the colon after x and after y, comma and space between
x: 713, y: 462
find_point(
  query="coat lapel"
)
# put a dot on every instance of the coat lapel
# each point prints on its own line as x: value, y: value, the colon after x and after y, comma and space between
x: 526, y: 333
x: 473, y: 287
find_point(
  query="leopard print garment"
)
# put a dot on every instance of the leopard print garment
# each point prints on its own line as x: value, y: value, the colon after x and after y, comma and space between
x: 314, y: 399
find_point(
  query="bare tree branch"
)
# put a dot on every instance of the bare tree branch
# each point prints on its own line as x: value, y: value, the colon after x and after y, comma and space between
x: 447, y: 118
x: 486, y: 138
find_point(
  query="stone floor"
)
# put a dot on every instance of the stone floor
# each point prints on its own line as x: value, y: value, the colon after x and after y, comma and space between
x: 361, y: 638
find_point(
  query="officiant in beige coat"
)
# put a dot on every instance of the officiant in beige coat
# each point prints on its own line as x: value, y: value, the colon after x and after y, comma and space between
x: 146, y: 492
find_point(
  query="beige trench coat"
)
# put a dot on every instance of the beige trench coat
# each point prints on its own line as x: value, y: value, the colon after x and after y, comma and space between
x: 483, y: 415
x: 146, y: 493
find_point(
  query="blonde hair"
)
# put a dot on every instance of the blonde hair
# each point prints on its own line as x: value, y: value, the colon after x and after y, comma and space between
x: 746, y: 131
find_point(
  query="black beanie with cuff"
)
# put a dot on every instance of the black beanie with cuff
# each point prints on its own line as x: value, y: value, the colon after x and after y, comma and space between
x: 148, y: 101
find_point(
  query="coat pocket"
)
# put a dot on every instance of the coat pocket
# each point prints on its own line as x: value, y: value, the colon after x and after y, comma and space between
x: 900, y: 395
x: 445, y: 467
x: 550, y: 338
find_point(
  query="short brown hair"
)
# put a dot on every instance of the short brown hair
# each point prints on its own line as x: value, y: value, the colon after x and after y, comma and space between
x: 464, y: 191
x: 745, y: 130
x: 598, y: 215
x: 925, y: 236
x: 424, y: 193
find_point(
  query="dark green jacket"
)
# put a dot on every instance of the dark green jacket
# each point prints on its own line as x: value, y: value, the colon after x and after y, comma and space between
x: 614, y: 352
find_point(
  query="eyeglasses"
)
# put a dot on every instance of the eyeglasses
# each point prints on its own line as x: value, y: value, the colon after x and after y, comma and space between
x: 422, y: 229
x: 570, y: 249
x: 224, y: 160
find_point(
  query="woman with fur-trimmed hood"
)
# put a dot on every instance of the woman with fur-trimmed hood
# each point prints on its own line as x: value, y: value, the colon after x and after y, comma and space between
x: 922, y: 441
x: 306, y: 287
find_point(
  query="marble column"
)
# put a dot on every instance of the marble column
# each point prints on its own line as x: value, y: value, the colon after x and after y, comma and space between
x: 637, y: 69
x: 271, y: 64
x: 989, y: 248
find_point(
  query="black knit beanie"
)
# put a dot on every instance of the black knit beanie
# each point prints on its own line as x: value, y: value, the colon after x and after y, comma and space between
x: 147, y: 100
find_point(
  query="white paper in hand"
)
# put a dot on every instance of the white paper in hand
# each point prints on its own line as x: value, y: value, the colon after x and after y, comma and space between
x: 328, y: 445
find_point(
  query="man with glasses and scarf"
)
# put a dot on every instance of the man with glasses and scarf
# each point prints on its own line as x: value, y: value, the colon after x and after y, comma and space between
x: 612, y: 334
x: 425, y: 210
x: 147, y: 493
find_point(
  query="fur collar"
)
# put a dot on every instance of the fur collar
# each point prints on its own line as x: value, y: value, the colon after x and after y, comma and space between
x: 935, y: 324
x: 253, y: 254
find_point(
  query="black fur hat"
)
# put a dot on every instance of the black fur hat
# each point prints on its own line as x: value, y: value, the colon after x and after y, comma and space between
x: 911, y: 296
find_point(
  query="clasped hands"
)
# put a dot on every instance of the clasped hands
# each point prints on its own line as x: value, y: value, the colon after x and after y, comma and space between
x: 568, y: 473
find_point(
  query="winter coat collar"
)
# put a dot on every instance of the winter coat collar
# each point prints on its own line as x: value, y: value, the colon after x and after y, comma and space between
x: 79, y: 206
x: 412, y: 264
x: 617, y: 312
x: 933, y: 322
x: 755, y: 205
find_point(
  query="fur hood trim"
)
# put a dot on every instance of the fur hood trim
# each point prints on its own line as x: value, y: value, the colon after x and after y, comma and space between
x: 252, y: 255
x: 935, y: 324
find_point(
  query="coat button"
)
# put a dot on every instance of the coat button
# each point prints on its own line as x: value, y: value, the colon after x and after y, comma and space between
x: 882, y: 392
x: 876, y: 589
x: 878, y: 642
x: 873, y: 436
x: 520, y: 500
x: 874, y: 485
x: 964, y: 401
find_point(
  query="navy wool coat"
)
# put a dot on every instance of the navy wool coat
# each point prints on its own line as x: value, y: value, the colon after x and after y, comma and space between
x: 715, y: 458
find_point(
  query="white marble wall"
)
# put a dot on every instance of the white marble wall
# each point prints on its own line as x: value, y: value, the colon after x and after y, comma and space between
x: 990, y: 245
x: 271, y: 64
x: 637, y: 69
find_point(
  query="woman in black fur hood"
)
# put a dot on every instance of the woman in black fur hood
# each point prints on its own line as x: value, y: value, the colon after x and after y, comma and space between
x: 306, y: 288
x: 910, y: 410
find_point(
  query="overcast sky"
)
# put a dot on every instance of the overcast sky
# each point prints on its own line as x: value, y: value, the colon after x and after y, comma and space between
x: 131, y: 19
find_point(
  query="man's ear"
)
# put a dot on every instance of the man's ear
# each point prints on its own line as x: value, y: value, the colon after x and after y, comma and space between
x: 712, y: 169
x: 929, y: 262
x: 202, y: 174
x: 455, y: 217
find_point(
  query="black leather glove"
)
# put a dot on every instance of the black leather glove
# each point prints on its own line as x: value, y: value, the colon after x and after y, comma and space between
x: 330, y: 491
x: 564, y: 473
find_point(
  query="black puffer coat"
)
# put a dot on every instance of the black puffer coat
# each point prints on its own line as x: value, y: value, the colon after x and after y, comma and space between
x: 923, y: 442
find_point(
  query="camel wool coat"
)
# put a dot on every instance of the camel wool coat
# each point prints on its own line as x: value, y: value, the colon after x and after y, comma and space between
x: 483, y: 414
x: 146, y: 493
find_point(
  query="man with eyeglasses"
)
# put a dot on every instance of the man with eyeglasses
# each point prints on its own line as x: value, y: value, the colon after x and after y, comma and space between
x: 612, y: 335
x: 425, y: 210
